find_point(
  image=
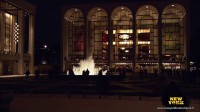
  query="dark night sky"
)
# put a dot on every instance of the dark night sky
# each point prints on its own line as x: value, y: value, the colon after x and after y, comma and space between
x: 48, y: 28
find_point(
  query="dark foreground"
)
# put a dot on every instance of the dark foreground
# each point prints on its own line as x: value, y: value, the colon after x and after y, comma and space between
x: 129, y: 85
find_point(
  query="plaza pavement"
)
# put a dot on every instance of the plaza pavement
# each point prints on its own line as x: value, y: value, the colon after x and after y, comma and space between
x: 139, y: 89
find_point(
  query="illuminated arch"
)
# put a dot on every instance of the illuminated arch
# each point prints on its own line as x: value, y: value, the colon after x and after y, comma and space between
x: 147, y: 36
x: 122, y: 21
x: 173, y: 8
x: 74, y: 33
x: 174, y: 33
x: 97, y: 19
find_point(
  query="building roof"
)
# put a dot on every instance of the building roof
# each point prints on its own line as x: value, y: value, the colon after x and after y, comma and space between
x: 22, y: 4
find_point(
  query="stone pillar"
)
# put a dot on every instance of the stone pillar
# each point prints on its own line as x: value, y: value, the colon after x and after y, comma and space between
x: 21, y: 42
x: 186, y: 27
x: 31, y: 42
x: 64, y: 47
x: 2, y: 35
x: 134, y: 43
x: 160, y: 67
x: 1, y: 67
x: 2, y: 30
x: 110, y: 42
x: 86, y: 39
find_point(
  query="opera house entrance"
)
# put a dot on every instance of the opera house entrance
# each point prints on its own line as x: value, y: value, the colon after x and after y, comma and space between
x: 132, y: 36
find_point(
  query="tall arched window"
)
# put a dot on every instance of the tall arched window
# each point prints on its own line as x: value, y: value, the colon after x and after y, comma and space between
x: 122, y: 21
x: 98, y: 31
x: 147, y: 36
x: 147, y: 33
x: 173, y: 33
x: 74, y: 26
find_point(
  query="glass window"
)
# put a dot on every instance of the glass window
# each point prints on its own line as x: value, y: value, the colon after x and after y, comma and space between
x: 74, y: 21
x: 147, y: 33
x: 9, y: 17
x: 8, y: 32
x: 147, y: 39
x: 122, y: 20
x: 98, y: 33
x: 173, y: 35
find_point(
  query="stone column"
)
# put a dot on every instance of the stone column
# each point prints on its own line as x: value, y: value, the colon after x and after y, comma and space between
x: 134, y: 43
x: 64, y: 47
x: 2, y: 30
x: 110, y: 42
x: 86, y: 39
x: 160, y: 42
x: 31, y: 42
x: 2, y: 35
x: 21, y: 42
x: 186, y: 26
x: 1, y: 67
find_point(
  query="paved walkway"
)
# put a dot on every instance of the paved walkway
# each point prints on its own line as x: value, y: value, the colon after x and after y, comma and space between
x: 130, y: 86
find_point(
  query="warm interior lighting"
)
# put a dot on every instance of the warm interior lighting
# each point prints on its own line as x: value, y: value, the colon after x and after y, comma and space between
x: 7, y: 15
x: 122, y: 48
x: 126, y: 42
x: 124, y: 36
x: 122, y: 31
x: 149, y: 63
x: 123, y: 43
x: 128, y: 31
x: 143, y: 31
x: 143, y: 42
x: 16, y: 33
x: 171, y: 64
x: 126, y: 51
x: 123, y: 63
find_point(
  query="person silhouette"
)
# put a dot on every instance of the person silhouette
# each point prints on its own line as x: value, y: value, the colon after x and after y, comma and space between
x: 37, y: 74
x: 100, y: 73
x: 27, y: 73
x: 87, y: 72
x: 83, y: 73
x: 71, y: 72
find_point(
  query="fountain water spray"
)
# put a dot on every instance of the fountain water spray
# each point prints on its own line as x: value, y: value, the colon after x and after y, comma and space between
x: 87, y: 64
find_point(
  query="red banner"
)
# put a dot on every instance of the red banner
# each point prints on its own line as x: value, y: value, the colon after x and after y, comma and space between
x: 79, y: 42
x: 104, y: 37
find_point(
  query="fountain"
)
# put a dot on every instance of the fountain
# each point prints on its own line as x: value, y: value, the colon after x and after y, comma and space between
x: 87, y: 64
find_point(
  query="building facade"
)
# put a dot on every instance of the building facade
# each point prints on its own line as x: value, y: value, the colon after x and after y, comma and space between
x: 16, y: 36
x: 151, y: 35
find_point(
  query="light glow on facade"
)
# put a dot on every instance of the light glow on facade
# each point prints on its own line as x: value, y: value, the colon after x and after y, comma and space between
x: 124, y: 36
x: 157, y: 37
x: 16, y: 33
x: 16, y: 37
